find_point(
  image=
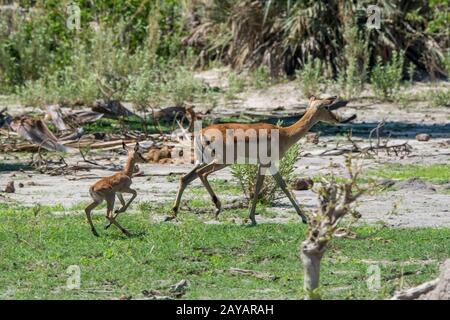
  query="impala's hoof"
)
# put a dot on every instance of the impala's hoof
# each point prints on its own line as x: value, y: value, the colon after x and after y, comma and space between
x: 127, y: 233
x: 95, y: 233
x: 251, y: 223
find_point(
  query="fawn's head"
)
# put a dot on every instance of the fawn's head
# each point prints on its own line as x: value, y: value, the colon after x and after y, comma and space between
x: 323, y: 109
x: 134, y: 153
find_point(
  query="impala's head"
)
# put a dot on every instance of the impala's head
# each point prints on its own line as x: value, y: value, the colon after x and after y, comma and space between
x: 135, y: 153
x: 324, y: 108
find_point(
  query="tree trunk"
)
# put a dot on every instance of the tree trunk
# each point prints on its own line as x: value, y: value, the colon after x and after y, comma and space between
x: 311, y: 256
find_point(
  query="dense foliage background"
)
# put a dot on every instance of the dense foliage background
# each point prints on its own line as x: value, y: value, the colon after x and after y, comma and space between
x: 119, y: 40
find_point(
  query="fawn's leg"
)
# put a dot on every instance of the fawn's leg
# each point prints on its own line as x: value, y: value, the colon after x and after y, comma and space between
x: 88, y: 211
x: 258, y: 186
x: 282, y: 184
x: 124, y: 206
x: 203, y: 174
x: 122, y: 202
x: 109, y: 214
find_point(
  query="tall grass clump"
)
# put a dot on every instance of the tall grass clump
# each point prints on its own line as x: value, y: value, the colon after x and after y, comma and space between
x: 247, y: 173
x: 261, y: 77
x: 386, y: 77
x: 310, y: 77
x: 353, y: 73
x: 236, y: 85
x: 440, y: 98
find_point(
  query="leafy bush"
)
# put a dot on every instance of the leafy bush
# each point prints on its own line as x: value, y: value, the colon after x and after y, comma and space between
x: 446, y: 62
x: 182, y: 86
x: 386, y: 78
x: 236, y: 84
x: 310, y: 77
x: 411, y: 71
x: 261, y: 77
x: 352, y: 76
x: 282, y: 34
x: 440, y: 98
x: 26, y: 50
x: 74, y: 84
x: 246, y: 174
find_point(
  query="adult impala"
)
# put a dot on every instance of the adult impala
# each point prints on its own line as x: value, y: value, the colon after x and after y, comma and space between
x: 214, y: 143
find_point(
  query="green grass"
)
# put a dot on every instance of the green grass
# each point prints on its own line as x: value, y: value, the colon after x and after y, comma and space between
x: 220, y: 186
x: 105, y: 125
x: 436, y: 173
x: 37, y: 248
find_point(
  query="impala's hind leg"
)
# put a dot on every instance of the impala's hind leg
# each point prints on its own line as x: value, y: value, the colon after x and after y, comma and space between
x: 109, y: 214
x: 88, y: 211
x: 184, y: 182
x: 203, y: 173
x: 122, y: 202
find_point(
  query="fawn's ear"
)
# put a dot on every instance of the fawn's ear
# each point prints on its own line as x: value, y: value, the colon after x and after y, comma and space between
x: 124, y: 145
x: 312, y: 98
x: 136, y: 147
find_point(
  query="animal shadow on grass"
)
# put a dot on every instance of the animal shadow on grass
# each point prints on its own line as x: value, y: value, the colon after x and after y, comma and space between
x: 119, y: 236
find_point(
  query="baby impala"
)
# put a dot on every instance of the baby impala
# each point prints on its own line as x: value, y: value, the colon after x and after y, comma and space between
x: 106, y: 189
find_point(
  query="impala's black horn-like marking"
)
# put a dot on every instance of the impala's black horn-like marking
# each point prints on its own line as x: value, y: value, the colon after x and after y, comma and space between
x: 136, y: 147
x: 337, y: 104
x: 351, y: 118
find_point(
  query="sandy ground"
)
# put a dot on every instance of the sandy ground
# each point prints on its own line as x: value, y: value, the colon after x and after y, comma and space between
x: 402, y: 208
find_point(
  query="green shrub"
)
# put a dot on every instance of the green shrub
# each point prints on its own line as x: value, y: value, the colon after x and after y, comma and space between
x: 386, y: 78
x: 440, y: 98
x: 446, y: 62
x: 236, y: 84
x: 144, y: 88
x: 352, y: 76
x: 261, y: 77
x: 246, y: 174
x: 349, y: 81
x: 411, y: 71
x: 309, y: 78
x: 181, y: 86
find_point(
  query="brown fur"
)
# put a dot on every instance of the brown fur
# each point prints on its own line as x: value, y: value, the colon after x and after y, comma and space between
x: 318, y: 110
x: 106, y: 189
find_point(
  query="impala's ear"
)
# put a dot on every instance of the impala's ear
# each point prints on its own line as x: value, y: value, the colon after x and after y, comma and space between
x: 124, y: 145
x: 136, y: 147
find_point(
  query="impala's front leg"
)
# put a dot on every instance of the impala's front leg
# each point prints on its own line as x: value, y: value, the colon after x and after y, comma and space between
x: 124, y: 205
x: 282, y: 184
x: 110, y: 216
x: 258, y: 185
